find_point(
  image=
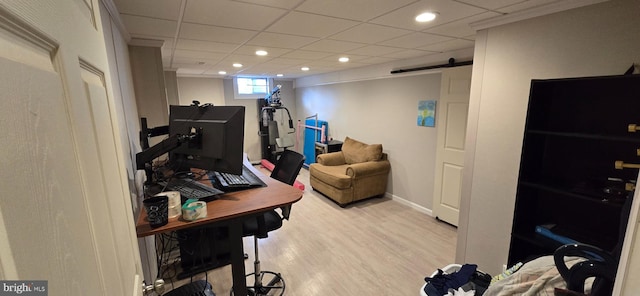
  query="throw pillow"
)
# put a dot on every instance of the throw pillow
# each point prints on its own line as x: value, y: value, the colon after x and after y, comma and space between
x: 356, y: 152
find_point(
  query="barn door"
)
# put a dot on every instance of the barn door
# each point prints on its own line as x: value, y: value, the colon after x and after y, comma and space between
x: 451, y: 117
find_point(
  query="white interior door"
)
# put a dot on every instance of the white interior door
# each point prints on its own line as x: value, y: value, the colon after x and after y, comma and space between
x: 65, y: 212
x: 451, y: 122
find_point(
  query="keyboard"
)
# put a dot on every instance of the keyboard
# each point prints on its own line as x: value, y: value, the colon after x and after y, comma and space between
x: 190, y: 189
x: 231, y: 182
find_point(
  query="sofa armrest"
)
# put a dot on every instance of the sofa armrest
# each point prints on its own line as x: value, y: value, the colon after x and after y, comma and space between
x: 369, y: 168
x: 331, y: 159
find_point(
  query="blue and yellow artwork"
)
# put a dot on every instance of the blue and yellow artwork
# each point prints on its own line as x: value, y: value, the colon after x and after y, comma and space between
x: 427, y: 113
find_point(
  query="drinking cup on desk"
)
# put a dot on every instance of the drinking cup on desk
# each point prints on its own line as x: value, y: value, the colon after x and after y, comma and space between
x: 157, y: 208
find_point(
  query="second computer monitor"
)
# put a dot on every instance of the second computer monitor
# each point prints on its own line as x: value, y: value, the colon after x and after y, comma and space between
x: 215, y: 137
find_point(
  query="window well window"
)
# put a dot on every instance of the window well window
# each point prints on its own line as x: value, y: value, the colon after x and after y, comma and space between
x: 251, y: 87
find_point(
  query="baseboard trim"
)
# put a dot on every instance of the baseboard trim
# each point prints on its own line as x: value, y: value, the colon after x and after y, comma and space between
x: 411, y: 204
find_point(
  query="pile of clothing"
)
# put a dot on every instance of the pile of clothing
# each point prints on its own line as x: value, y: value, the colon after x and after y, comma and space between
x: 536, y: 277
x: 467, y: 281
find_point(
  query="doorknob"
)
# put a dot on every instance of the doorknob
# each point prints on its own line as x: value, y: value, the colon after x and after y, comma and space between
x: 158, y: 287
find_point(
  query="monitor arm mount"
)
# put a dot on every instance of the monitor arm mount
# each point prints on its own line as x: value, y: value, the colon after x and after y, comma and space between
x: 145, y: 158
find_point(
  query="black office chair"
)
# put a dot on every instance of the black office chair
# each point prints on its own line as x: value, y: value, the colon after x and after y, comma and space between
x: 600, y: 264
x: 286, y: 170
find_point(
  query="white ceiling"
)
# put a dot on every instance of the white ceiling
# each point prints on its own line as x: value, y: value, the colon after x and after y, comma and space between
x: 203, y: 37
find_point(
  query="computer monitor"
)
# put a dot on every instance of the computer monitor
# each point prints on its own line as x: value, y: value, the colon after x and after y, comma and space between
x: 216, y: 137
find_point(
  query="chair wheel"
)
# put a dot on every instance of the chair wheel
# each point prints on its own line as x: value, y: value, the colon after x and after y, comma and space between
x: 275, y: 285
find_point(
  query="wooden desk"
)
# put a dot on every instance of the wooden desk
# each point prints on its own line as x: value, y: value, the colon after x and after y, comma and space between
x: 231, y: 209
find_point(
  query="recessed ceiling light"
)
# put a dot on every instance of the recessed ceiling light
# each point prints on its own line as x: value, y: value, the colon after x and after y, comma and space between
x: 237, y: 65
x: 222, y: 72
x: 279, y: 75
x: 304, y: 68
x: 261, y: 52
x: 343, y: 59
x: 426, y: 17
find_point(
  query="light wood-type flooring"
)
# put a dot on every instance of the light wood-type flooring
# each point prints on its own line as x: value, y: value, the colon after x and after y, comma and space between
x: 375, y: 247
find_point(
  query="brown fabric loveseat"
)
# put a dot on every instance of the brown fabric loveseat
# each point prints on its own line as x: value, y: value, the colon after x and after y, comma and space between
x: 357, y: 172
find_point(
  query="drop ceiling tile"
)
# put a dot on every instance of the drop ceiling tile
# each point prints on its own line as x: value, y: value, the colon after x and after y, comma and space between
x: 183, y: 70
x: 306, y: 55
x: 447, y: 9
x: 460, y: 28
x: 217, y: 68
x: 415, y: 40
x: 377, y: 60
x: 287, y: 61
x: 407, y: 54
x: 334, y: 65
x: 361, y: 10
x: 353, y: 58
x: 231, y: 14
x: 245, y: 60
x: 330, y: 65
x: 311, y: 25
x: 148, y: 26
x: 312, y: 70
x: 206, y: 46
x: 193, y: 64
x: 162, y: 9
x: 270, y: 67
x: 280, y: 40
x: 374, y: 50
x: 449, y: 45
x: 272, y: 51
x: 332, y: 46
x: 286, y: 4
x: 290, y: 75
x: 526, y: 5
x: 216, y: 34
x: 194, y: 54
x: 491, y: 4
x: 263, y: 70
x: 214, y: 72
x: 369, y: 33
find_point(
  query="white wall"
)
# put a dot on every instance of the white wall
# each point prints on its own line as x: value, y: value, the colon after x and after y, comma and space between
x: 171, y: 84
x: 220, y: 93
x: 383, y: 111
x: 204, y: 90
x: 602, y: 39
x: 149, y: 87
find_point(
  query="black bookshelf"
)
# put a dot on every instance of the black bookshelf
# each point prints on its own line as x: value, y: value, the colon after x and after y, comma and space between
x: 576, y: 129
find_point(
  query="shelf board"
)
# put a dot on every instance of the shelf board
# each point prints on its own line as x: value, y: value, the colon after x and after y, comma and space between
x: 567, y: 192
x: 586, y: 136
x: 537, y: 240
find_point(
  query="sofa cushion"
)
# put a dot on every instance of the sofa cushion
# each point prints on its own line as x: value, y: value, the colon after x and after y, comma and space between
x: 356, y: 152
x: 333, y: 175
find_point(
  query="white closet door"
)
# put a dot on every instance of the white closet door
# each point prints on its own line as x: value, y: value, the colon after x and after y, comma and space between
x: 65, y: 212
